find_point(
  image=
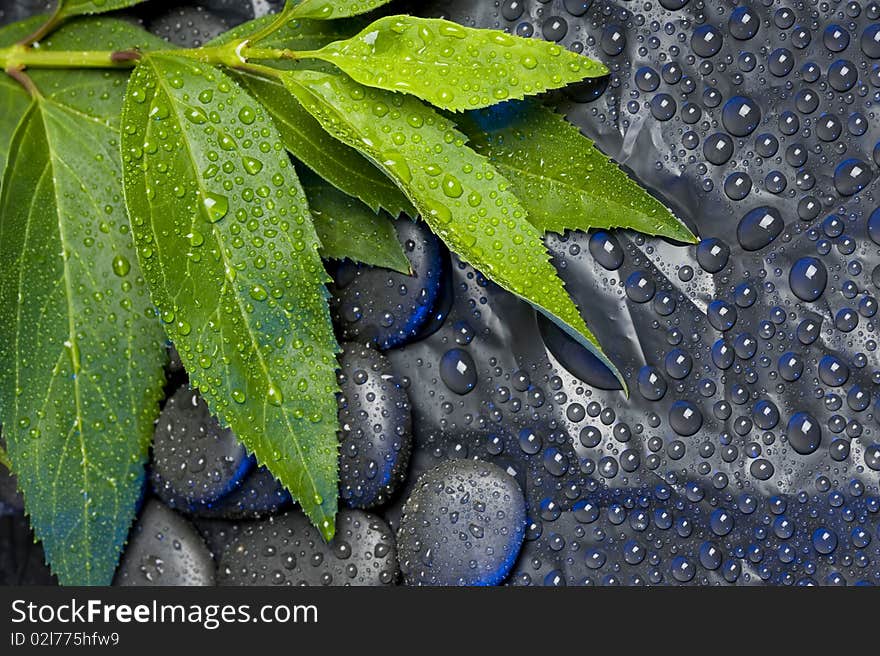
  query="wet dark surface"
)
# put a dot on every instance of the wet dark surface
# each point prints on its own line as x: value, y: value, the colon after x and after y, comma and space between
x: 748, y: 450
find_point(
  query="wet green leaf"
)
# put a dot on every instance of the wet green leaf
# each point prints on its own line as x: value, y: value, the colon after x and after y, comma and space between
x: 228, y: 247
x: 14, y: 100
x: 563, y: 180
x: 327, y: 9
x: 340, y: 165
x: 81, y: 350
x: 459, y: 193
x: 349, y: 229
x: 4, y: 459
x: 70, y: 8
x: 454, y: 67
x: 296, y: 34
x: 94, y: 92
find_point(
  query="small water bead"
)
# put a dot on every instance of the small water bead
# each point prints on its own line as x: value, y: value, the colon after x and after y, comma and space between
x: 647, y: 79
x: 765, y: 414
x: 744, y: 295
x: 801, y: 37
x: 851, y: 176
x: 216, y: 206
x: 788, y: 123
x: 678, y: 364
x: 613, y: 40
x: 713, y: 254
x: 780, y: 62
x: 791, y: 366
x: 804, y: 433
x: 807, y: 101
x: 722, y: 315
x: 663, y: 107
x: 759, y: 227
x: 640, y: 288
x: 835, y: 38
x: 651, y: 383
x: 707, y: 41
x: 512, y: 10
x: 685, y: 418
x: 577, y: 7
x: 808, y: 279
x: 664, y: 304
x: 832, y: 371
x: 458, y: 371
x: 842, y: 75
x: 737, y: 185
x: 870, y: 41
x: 718, y: 148
x: 766, y: 145
x: 722, y: 355
x: 744, y: 23
x: 121, y: 266
x: 846, y: 320
x: 741, y: 116
x: 554, y: 28
x: 606, y: 250
x: 824, y: 541
x: 775, y: 182
x: 808, y: 331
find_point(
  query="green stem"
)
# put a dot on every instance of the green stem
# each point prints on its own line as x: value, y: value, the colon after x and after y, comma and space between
x: 272, y: 53
x: 279, y: 22
x: 46, y: 28
x: 19, y: 57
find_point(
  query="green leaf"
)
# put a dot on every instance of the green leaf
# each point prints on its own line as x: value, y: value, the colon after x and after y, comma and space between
x: 327, y: 9
x: 4, y: 459
x: 14, y: 100
x: 225, y: 238
x: 563, y: 180
x: 295, y: 34
x: 96, y: 93
x: 70, y: 8
x: 349, y: 229
x: 452, y: 66
x: 339, y: 164
x: 81, y: 350
x: 459, y: 193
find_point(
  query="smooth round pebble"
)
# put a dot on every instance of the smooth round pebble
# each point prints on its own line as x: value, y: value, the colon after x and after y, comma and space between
x: 463, y: 524
x: 195, y: 461
x: 288, y: 550
x: 164, y: 550
x: 376, y: 423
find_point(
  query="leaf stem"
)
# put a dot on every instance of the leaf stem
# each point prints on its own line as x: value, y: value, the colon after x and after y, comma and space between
x: 20, y: 57
x: 272, y: 53
x: 279, y: 22
x: 24, y: 80
x: 46, y: 28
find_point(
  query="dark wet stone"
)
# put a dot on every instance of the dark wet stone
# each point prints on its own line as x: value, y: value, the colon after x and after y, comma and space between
x: 376, y: 306
x: 463, y: 524
x: 164, y: 550
x: 376, y: 423
x: 288, y: 550
x: 187, y: 27
x: 256, y: 495
x: 195, y: 461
